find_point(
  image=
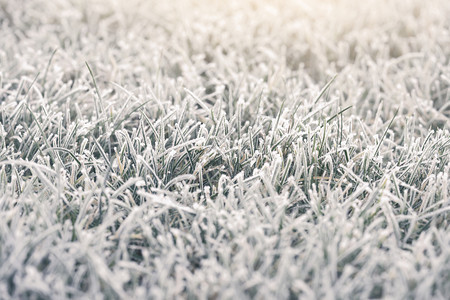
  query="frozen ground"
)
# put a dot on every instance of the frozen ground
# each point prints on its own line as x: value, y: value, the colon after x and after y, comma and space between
x: 202, y: 149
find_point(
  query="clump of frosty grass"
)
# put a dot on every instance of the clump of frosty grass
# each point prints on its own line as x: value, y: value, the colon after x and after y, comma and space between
x: 207, y: 149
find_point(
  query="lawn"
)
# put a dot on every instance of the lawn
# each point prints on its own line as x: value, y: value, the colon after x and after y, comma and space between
x: 224, y: 149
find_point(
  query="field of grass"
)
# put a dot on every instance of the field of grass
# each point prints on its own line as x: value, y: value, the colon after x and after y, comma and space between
x: 224, y: 149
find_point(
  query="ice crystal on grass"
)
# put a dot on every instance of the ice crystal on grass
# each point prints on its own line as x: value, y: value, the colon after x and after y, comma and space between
x: 211, y: 149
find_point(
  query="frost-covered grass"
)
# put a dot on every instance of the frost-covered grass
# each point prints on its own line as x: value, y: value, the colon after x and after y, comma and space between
x: 206, y: 150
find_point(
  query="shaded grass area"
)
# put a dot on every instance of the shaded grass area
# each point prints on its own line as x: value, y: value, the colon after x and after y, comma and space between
x: 201, y: 151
